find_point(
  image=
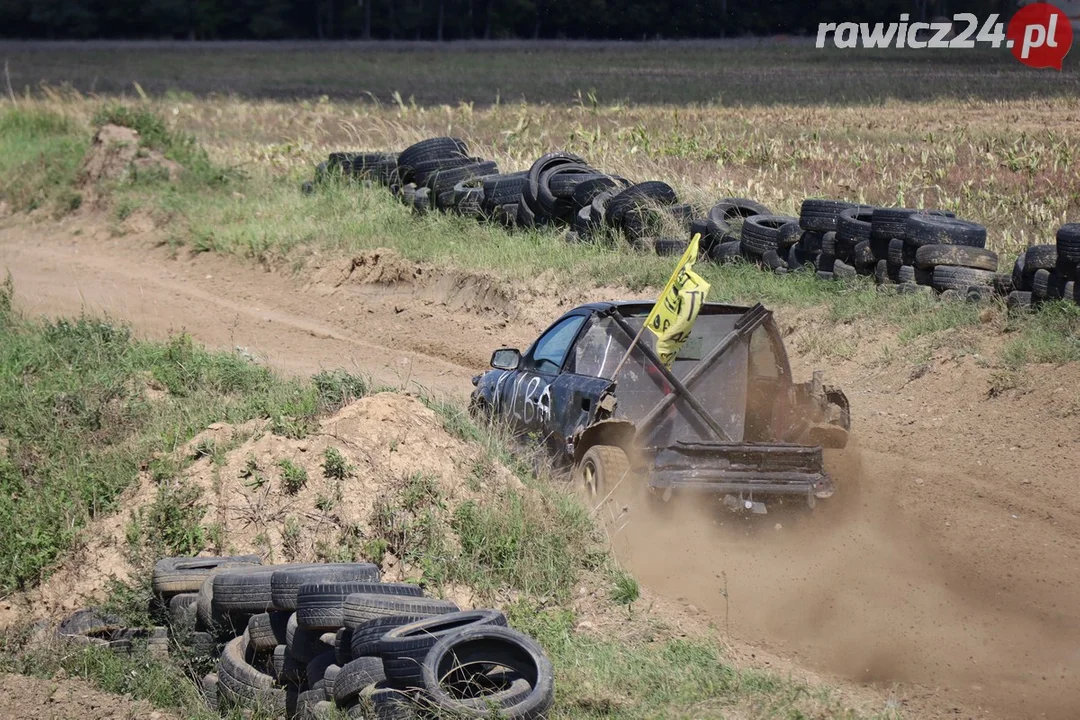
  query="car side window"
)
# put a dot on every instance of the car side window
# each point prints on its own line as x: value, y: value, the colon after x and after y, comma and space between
x: 551, y: 349
x: 596, y: 353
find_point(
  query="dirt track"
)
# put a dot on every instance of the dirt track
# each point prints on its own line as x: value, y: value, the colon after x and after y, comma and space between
x: 947, y: 564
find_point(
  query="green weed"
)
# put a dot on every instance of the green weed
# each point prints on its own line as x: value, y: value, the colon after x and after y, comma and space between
x: 293, y: 476
x: 335, y: 466
x: 626, y: 589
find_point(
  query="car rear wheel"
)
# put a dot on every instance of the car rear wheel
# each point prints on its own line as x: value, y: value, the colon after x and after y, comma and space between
x: 601, y: 473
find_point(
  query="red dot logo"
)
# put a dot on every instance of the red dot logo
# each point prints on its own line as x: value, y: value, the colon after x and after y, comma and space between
x: 1040, y: 35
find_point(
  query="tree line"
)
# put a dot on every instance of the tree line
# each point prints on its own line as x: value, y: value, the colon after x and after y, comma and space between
x: 455, y: 19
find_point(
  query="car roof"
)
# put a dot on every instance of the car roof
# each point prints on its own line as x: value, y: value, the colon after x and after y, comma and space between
x: 643, y: 307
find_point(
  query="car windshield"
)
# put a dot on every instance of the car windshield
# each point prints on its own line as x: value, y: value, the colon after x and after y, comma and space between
x: 640, y: 385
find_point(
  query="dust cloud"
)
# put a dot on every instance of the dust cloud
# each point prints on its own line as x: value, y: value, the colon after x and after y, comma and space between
x: 856, y: 588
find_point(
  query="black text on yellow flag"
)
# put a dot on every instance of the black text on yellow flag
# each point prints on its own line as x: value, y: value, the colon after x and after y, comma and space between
x: 673, y: 316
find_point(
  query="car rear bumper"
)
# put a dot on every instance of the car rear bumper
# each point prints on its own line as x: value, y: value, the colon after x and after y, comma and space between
x: 741, y: 468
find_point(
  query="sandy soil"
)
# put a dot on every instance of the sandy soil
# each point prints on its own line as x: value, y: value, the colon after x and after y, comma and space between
x: 30, y: 698
x: 945, y: 569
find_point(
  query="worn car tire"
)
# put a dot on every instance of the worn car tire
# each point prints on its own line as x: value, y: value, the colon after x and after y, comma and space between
x: 821, y: 215
x: 1048, y: 285
x: 246, y: 590
x: 366, y: 636
x: 958, y: 278
x: 589, y: 188
x: 530, y: 193
x: 670, y: 246
x: 599, y: 472
x: 343, y: 645
x: 559, y: 206
x: 285, y: 583
x: 445, y: 180
x: 503, y: 189
x: 361, y: 607
x: 881, y: 273
x: 183, y: 608
x: 649, y: 194
x: 175, y: 575
x: 481, y: 645
x: 888, y: 223
x: 853, y: 224
x: 726, y: 252
x: 761, y: 233
x: 843, y: 271
x: 928, y: 257
x: 1018, y: 300
x: 404, y: 648
x: 319, y: 605
x: 772, y: 260
x: 896, y: 253
x: 239, y: 684
x: 1068, y: 242
x: 267, y: 630
x: 728, y: 209
x: 863, y: 258
x: 1040, y: 257
x: 922, y: 229
x: 304, y: 644
x: 427, y: 150
x: 789, y: 234
x: 469, y: 198
x: 355, y: 676
x: 525, y: 216
x: 315, y: 670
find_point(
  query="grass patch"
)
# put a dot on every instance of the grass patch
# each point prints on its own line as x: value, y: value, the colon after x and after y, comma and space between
x: 84, y: 408
x: 1050, y: 334
x: 164, y: 684
x: 40, y: 154
x: 649, y: 677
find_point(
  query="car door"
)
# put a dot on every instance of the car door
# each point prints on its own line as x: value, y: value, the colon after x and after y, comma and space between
x: 529, y: 395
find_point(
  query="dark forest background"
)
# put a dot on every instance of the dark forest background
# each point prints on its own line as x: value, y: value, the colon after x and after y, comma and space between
x: 454, y: 19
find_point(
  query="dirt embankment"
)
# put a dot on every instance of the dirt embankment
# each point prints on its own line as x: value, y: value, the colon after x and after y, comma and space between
x: 292, y: 500
x: 944, y: 570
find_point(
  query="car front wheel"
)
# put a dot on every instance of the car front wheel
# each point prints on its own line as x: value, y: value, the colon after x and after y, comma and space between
x: 602, y: 474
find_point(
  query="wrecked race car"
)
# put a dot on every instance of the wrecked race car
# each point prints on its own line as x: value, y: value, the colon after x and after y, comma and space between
x: 726, y: 419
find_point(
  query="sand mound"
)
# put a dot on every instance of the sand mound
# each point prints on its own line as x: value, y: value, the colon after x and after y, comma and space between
x: 110, y: 156
x: 336, y: 494
x: 115, y: 156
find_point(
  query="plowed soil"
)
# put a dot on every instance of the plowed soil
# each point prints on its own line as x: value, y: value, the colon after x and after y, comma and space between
x: 946, y: 567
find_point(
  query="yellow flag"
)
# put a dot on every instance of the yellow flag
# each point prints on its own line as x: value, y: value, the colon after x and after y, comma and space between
x: 673, y: 316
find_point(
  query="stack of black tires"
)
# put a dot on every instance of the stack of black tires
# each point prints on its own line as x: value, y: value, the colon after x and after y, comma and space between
x: 1048, y: 272
x: 559, y: 189
x: 299, y: 640
x: 904, y: 249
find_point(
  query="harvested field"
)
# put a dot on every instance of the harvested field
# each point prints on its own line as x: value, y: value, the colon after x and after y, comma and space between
x: 740, y: 72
